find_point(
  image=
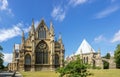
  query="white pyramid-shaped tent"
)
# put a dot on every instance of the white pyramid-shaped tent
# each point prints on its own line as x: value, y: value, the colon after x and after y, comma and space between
x: 84, y: 48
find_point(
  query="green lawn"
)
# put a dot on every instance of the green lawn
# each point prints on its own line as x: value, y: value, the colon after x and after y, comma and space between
x: 97, y: 73
x: 106, y: 73
x: 40, y: 74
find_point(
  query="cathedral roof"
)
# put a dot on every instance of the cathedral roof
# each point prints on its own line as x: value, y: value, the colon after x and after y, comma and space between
x: 84, y: 48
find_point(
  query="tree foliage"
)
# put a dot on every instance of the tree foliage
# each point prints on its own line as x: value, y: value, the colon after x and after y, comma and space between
x: 106, y: 64
x: 1, y: 58
x: 74, y: 69
x: 117, y: 56
x: 108, y: 56
x: 1, y: 48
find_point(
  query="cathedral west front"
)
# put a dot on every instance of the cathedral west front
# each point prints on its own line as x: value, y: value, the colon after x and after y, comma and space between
x: 39, y: 51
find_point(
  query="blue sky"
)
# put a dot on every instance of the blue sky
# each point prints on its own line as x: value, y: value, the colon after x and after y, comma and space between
x: 97, y: 21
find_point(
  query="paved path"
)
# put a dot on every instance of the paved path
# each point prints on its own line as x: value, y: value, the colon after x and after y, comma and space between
x: 18, y: 74
x: 6, y: 74
x: 10, y: 74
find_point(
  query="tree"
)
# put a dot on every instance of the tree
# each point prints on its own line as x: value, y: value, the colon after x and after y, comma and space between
x: 117, y: 56
x: 1, y: 48
x: 108, y: 56
x: 1, y: 58
x: 74, y: 69
x: 106, y: 64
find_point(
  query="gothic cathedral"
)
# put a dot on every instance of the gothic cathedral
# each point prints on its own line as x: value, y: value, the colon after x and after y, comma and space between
x: 40, y: 51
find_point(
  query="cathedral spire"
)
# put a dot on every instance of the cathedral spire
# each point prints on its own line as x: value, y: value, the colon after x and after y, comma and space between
x: 32, y: 28
x: 51, y: 28
x: 32, y: 21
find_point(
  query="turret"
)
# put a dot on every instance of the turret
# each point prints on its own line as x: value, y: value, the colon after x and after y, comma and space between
x: 32, y: 27
x: 60, y: 39
x: 14, y: 52
x: 99, y: 53
x: 52, y: 44
x: 32, y: 31
x: 99, y: 50
x: 62, y: 51
x: 51, y: 29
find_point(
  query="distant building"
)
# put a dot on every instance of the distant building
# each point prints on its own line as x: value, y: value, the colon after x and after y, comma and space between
x: 40, y: 51
x: 90, y: 56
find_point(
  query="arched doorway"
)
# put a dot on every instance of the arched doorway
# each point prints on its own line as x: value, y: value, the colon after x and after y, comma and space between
x: 105, y: 65
x: 57, y: 63
x: 27, y: 62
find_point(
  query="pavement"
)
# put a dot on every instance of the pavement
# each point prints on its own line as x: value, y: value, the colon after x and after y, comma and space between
x: 10, y: 74
x: 18, y: 74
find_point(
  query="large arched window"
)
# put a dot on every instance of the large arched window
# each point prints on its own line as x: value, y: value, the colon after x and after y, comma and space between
x: 56, y: 59
x: 27, y: 59
x: 42, y: 33
x: 42, y: 53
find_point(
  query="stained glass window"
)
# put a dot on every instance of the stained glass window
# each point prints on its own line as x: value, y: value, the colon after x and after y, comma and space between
x: 42, y: 33
x: 56, y: 59
x: 42, y: 53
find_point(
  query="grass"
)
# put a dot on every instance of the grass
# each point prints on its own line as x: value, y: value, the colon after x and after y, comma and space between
x: 97, y: 73
x: 40, y: 74
x: 106, y: 73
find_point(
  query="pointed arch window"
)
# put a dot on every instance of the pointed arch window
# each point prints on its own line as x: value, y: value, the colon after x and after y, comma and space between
x: 42, y: 33
x: 27, y: 59
x: 42, y: 53
x: 56, y: 59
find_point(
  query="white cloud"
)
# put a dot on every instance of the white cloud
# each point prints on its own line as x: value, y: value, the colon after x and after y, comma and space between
x: 116, y: 37
x: 58, y: 13
x: 107, y: 12
x: 4, y: 7
x: 7, y: 57
x: 6, y: 34
x: 99, y: 38
x: 77, y: 2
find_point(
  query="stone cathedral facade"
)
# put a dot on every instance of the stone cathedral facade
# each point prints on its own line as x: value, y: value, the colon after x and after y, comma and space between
x: 40, y: 51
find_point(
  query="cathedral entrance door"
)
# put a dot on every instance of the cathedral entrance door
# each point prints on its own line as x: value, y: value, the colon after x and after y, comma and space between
x: 27, y: 62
